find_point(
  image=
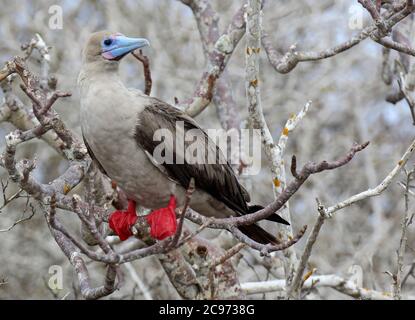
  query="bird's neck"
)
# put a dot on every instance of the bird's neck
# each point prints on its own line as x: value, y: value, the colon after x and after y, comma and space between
x: 98, y: 72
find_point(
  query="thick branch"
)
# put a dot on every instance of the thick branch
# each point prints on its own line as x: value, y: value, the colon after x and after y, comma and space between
x: 340, y: 284
x: 308, y: 169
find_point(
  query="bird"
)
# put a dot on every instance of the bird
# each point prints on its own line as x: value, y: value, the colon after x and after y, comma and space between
x: 118, y: 127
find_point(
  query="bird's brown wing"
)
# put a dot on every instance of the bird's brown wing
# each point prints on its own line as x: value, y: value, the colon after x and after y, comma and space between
x: 217, y: 179
x: 94, y: 159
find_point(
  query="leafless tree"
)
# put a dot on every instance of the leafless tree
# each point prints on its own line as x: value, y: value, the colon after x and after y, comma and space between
x: 48, y: 171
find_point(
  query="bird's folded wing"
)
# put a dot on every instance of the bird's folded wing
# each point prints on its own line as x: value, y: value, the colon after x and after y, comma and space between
x: 94, y: 159
x: 217, y: 179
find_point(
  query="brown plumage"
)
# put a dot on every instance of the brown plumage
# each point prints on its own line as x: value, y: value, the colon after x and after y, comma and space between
x: 217, y: 179
x: 118, y: 126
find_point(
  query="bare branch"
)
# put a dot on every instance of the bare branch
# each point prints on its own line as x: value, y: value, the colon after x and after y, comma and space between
x: 287, y: 62
x: 218, y: 59
x: 189, y: 192
x: 330, y: 211
x: 138, y: 281
x: 295, y: 289
x: 265, y: 250
x: 21, y: 220
x: 228, y: 254
x: 307, y: 170
x: 406, y: 221
x: 332, y: 281
x: 147, y: 71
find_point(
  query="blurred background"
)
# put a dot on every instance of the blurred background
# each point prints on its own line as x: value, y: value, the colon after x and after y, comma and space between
x: 349, y: 105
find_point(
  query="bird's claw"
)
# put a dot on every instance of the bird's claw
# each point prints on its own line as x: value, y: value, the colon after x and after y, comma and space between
x: 121, y: 221
x: 163, y: 221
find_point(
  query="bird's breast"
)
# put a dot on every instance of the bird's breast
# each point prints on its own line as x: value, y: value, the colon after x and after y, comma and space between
x: 108, y: 125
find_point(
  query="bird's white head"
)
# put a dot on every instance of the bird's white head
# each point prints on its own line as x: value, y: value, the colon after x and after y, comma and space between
x: 110, y: 47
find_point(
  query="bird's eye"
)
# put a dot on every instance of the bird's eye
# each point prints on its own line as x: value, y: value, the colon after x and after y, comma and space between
x: 108, y: 42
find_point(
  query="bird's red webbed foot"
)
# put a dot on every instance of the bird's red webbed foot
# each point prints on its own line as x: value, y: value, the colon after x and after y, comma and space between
x: 121, y: 221
x: 162, y: 221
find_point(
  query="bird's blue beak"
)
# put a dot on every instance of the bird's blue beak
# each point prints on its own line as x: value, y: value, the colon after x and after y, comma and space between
x: 117, y: 46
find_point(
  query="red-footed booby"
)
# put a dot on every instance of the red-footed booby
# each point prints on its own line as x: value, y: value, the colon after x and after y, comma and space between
x: 118, y: 127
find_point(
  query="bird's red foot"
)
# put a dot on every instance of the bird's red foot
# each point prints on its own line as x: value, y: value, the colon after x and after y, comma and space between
x: 122, y: 221
x: 163, y: 221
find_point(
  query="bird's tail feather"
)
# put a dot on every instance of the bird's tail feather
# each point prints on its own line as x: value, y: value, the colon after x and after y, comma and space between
x: 273, y: 217
x: 256, y: 233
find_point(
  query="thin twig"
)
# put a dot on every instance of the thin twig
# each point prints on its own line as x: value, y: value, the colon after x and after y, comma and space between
x: 147, y: 71
x: 372, y: 192
x: 406, y: 221
x: 21, y: 220
x: 227, y: 255
x: 189, y: 193
x: 294, y: 290
x: 287, y: 62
